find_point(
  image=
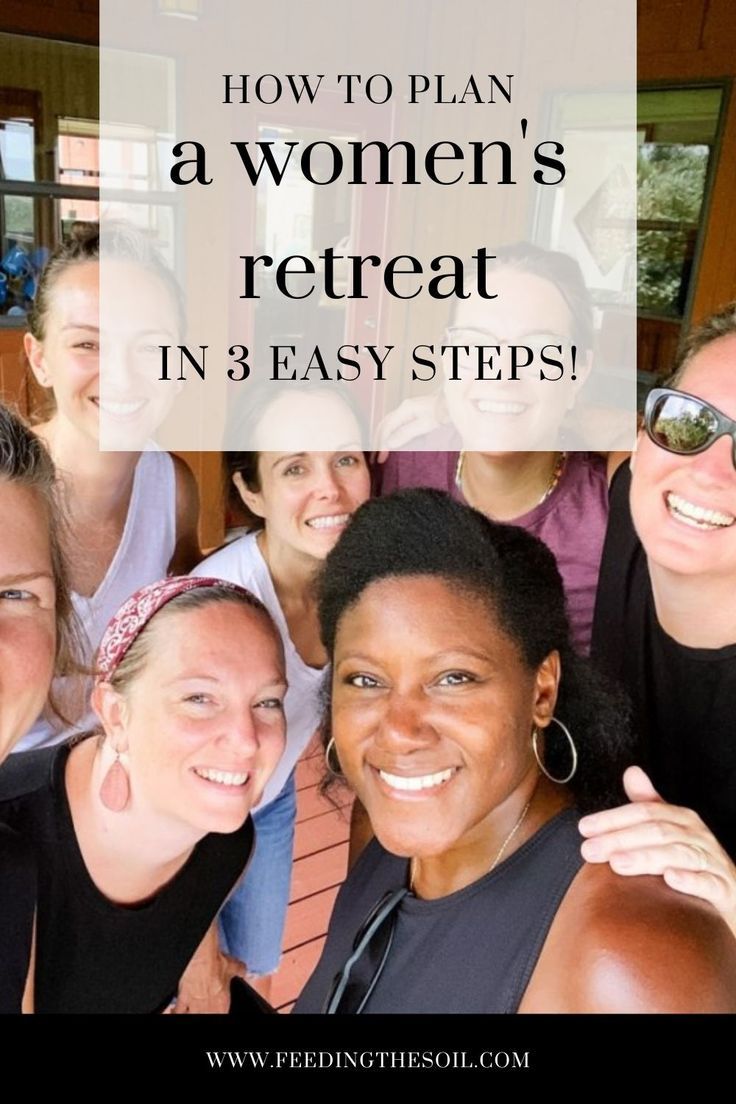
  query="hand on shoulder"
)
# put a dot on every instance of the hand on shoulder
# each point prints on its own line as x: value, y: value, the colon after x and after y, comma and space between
x: 187, y: 552
x: 650, y: 836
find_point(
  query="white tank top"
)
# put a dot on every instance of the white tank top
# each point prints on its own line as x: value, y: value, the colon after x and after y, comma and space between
x: 143, y: 556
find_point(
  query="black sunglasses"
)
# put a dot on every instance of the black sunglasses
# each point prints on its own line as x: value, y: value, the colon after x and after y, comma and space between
x: 684, y: 424
x: 352, y: 986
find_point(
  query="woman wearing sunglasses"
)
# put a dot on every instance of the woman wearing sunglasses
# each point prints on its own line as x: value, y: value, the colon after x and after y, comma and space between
x: 665, y: 626
x: 473, y: 735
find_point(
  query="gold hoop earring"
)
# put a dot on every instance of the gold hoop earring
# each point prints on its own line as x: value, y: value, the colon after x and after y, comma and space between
x: 573, y: 752
x: 330, y: 747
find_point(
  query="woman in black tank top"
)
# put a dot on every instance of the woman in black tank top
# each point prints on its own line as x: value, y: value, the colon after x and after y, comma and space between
x: 473, y: 735
x: 141, y: 833
x: 35, y: 638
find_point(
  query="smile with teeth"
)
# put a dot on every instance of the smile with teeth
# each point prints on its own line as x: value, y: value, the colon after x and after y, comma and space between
x: 119, y: 409
x: 698, y: 517
x: 333, y: 521
x: 417, y: 782
x: 491, y: 406
x: 223, y: 778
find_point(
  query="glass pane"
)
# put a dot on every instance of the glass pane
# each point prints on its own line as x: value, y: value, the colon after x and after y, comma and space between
x: 677, y: 131
x: 78, y: 162
x: 677, y: 135
x: 16, y: 147
x: 671, y: 191
x: 49, y: 107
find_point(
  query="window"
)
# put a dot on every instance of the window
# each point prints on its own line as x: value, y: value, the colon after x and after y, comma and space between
x: 49, y: 157
x: 677, y: 132
x: 677, y: 151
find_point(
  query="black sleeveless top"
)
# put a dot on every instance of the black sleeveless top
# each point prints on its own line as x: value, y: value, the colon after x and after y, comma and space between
x: 472, y: 951
x: 684, y: 698
x: 17, y: 902
x: 93, y: 955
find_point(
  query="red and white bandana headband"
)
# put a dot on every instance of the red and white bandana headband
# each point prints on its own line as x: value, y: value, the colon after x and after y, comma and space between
x: 137, y: 611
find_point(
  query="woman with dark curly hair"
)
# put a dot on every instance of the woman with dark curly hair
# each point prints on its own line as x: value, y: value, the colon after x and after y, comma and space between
x: 474, y: 735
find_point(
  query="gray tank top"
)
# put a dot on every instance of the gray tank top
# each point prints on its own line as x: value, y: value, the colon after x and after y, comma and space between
x: 143, y: 555
x: 473, y: 951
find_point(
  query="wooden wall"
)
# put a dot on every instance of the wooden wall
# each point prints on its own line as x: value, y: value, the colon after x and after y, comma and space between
x: 72, y: 20
x: 688, y: 40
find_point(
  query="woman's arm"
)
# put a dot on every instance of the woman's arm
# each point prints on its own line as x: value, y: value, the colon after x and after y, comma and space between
x: 27, y: 1005
x: 651, y: 837
x: 205, y: 984
x: 412, y: 418
x: 187, y: 553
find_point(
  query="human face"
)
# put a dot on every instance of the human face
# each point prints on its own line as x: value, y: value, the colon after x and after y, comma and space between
x: 684, y: 507
x: 203, y: 722
x: 306, y: 498
x: 106, y: 364
x: 432, y: 715
x: 27, y: 612
x: 505, y: 414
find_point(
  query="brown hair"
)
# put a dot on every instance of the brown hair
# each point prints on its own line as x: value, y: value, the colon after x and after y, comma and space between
x: 722, y: 323
x: 115, y: 241
x: 246, y: 465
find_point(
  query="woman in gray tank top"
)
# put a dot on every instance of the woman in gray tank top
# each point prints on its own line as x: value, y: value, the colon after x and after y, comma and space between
x: 132, y: 515
x: 474, y: 736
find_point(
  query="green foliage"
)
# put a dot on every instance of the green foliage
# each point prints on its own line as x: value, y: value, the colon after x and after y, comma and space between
x: 671, y: 181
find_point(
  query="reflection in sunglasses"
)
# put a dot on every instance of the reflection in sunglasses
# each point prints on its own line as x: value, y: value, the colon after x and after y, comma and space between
x: 684, y: 424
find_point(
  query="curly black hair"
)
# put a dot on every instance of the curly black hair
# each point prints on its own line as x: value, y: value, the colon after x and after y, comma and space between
x: 515, y: 575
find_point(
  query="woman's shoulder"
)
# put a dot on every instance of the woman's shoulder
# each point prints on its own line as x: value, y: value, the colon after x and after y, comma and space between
x: 633, y: 945
x: 27, y: 793
x: 586, y: 470
x: 239, y: 561
x: 27, y: 773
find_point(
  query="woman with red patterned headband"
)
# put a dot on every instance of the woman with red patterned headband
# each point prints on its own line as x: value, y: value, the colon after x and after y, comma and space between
x: 142, y: 831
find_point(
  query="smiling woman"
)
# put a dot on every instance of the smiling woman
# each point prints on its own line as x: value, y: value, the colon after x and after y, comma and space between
x: 471, y: 732
x: 298, y: 504
x: 142, y: 833
x: 35, y: 633
x: 132, y: 516
x: 560, y: 496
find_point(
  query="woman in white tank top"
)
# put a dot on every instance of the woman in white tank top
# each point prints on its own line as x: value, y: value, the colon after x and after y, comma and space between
x: 132, y: 516
x: 298, y: 503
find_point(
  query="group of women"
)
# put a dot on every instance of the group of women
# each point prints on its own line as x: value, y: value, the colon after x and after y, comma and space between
x: 458, y: 708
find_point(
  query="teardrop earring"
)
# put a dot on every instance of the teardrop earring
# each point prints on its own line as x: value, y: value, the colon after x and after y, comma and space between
x: 115, y: 788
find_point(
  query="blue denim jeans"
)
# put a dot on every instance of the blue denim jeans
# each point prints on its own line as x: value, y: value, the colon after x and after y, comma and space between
x: 252, y: 920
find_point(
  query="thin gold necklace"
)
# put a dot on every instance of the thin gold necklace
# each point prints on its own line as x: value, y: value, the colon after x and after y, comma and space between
x: 554, y: 479
x: 499, y: 854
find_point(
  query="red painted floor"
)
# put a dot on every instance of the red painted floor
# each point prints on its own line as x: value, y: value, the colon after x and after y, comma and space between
x: 320, y: 860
